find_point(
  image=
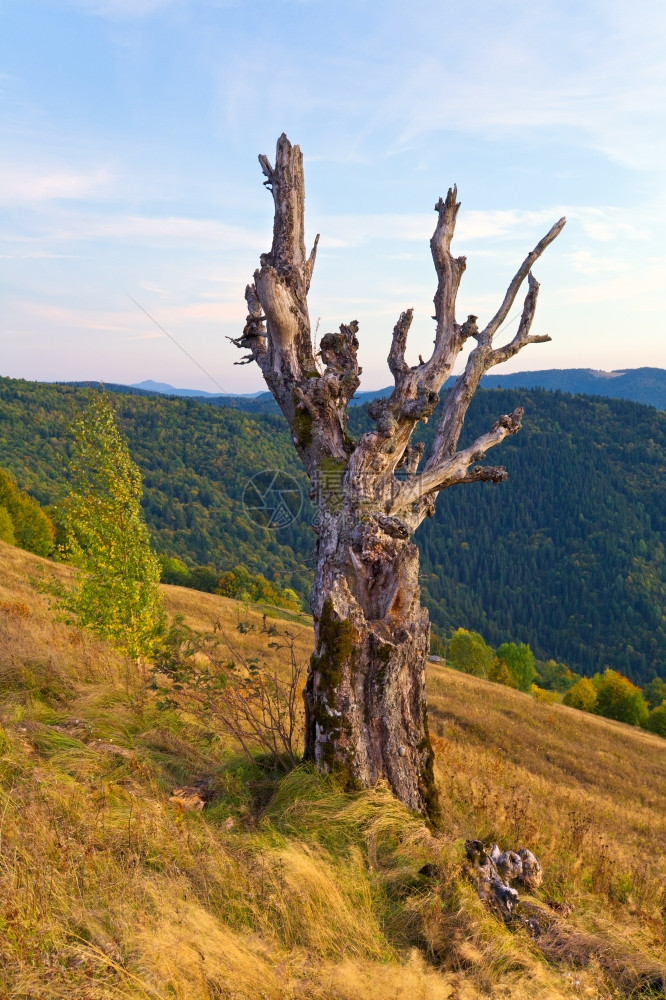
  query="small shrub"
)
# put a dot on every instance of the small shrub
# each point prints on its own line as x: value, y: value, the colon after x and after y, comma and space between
x: 547, y: 697
x: 656, y: 721
x: 250, y: 703
x: 582, y: 695
x: 618, y: 698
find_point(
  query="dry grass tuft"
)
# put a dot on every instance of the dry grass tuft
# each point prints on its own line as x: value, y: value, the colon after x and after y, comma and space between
x: 283, y: 887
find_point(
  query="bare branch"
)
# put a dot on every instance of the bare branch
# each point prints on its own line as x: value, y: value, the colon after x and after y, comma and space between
x: 486, y: 474
x: 484, y: 356
x: 287, y: 186
x: 266, y: 169
x: 310, y: 263
x: 449, y: 272
x: 520, y: 275
x: 396, y: 358
x: 281, y: 284
x: 456, y: 468
x: 253, y: 337
x: 522, y: 337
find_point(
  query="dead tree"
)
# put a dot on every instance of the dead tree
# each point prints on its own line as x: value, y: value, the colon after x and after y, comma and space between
x: 365, y: 693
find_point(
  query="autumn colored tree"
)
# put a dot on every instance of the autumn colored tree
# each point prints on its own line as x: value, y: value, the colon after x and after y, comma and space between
x: 116, y: 592
x: 582, y: 695
x: 618, y: 698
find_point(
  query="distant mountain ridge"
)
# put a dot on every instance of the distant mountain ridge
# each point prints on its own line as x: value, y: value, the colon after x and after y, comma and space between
x: 641, y: 385
x: 168, y: 390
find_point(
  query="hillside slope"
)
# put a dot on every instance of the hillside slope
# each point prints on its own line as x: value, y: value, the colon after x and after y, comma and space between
x: 567, y: 555
x: 283, y: 888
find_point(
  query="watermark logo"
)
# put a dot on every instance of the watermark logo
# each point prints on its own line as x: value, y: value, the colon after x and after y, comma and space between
x: 272, y: 499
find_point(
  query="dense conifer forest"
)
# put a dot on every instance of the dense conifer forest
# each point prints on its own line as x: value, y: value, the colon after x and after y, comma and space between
x: 568, y: 555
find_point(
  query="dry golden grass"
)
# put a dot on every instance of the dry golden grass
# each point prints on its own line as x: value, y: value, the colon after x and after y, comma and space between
x: 283, y: 887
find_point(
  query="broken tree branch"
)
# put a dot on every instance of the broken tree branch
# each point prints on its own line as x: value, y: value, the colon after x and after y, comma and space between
x: 455, y: 469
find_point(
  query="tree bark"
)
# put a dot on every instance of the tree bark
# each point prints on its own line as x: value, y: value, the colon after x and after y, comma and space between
x: 365, y: 701
x: 365, y: 695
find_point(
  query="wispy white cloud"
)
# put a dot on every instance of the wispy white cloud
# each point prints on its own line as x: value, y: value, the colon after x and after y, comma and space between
x: 596, y: 70
x: 27, y: 186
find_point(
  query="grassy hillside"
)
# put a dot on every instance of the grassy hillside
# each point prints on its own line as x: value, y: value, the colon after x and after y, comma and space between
x: 282, y: 887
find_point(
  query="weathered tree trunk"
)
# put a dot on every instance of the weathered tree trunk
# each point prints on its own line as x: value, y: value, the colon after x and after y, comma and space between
x: 365, y: 695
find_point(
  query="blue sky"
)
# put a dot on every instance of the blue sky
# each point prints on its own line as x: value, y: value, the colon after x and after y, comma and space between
x: 130, y: 130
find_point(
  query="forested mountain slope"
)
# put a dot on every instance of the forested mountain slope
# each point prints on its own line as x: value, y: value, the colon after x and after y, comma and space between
x: 567, y: 555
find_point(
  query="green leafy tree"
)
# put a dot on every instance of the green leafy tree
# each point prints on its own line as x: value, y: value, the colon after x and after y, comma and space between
x: 117, y: 593
x: 554, y: 676
x: 655, y: 692
x: 519, y: 659
x: 31, y: 526
x: 204, y: 578
x: 6, y: 527
x: 656, y: 721
x: 467, y: 651
x: 174, y: 571
x: 618, y: 698
x: 582, y: 695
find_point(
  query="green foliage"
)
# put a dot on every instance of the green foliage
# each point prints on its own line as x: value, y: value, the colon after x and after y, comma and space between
x: 519, y: 659
x: 468, y: 652
x: 117, y: 593
x: 31, y: 527
x: 553, y: 676
x: 656, y: 721
x: 6, y: 527
x: 655, y: 692
x: 618, y: 698
x: 239, y: 583
x: 174, y: 571
x: 582, y: 695
x: 204, y: 578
